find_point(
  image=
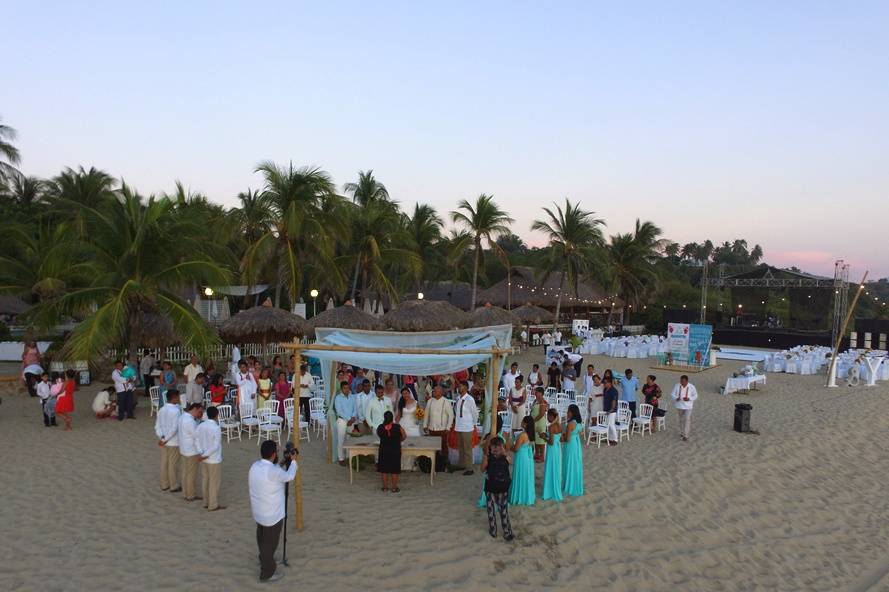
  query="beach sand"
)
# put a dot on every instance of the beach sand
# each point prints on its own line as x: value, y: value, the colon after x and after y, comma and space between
x: 800, y: 506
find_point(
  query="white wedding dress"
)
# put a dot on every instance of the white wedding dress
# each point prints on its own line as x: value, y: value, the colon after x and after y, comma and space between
x: 412, y: 429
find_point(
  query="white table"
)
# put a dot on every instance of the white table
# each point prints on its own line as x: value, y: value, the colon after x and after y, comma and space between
x: 743, y: 383
x: 413, y: 446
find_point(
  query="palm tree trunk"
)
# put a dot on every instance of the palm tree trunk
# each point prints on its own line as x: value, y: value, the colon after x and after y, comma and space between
x: 355, y: 276
x: 559, y: 302
x: 478, y: 248
x: 508, y: 286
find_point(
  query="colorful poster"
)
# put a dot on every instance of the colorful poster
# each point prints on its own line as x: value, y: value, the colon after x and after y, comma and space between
x: 677, y: 341
x: 699, y: 339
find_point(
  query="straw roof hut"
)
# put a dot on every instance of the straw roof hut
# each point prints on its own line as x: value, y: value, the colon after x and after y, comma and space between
x: 345, y: 317
x: 533, y: 315
x: 487, y: 316
x: 262, y: 324
x: 425, y: 315
x: 156, y: 331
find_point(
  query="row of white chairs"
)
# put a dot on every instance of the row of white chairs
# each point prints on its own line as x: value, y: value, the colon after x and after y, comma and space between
x: 625, y: 423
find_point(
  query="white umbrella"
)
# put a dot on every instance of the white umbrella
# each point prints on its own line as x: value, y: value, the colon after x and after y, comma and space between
x: 367, y: 307
x: 329, y: 304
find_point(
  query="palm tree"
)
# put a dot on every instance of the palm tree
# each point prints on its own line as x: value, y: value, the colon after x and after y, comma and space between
x: 307, y: 222
x: 25, y: 192
x: 367, y: 189
x: 632, y: 258
x: 484, y: 221
x: 8, y: 152
x: 574, y: 237
x: 140, y: 253
x: 254, y: 216
x: 424, y: 229
x: 73, y: 193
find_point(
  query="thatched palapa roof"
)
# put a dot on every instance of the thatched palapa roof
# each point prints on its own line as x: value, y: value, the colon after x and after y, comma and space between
x: 155, y: 331
x: 488, y: 316
x: 425, y: 315
x: 533, y: 315
x: 345, y: 317
x: 262, y: 324
x: 529, y: 286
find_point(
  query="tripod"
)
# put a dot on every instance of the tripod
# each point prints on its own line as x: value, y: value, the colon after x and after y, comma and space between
x: 286, y: 503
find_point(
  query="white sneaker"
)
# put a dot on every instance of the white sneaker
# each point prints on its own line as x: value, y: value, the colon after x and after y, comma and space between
x: 275, y: 577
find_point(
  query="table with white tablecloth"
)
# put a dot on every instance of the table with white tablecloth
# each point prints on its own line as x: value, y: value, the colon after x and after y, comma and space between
x: 734, y: 384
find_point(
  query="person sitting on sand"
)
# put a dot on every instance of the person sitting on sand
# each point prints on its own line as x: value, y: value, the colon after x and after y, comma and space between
x: 103, y: 405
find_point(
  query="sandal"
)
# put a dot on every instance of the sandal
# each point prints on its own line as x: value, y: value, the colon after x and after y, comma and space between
x: 385, y: 489
x: 396, y: 490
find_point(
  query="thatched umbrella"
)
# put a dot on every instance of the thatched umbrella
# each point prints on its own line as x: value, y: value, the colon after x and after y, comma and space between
x: 263, y: 324
x: 487, y: 316
x: 345, y: 317
x: 533, y: 315
x: 155, y: 331
x: 425, y: 315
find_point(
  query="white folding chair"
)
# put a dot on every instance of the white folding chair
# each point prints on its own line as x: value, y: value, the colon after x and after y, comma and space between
x: 317, y: 416
x: 599, y: 429
x: 643, y: 420
x: 623, y: 424
x: 506, y: 416
x: 248, y: 418
x: 562, y: 402
x: 582, y: 402
x: 623, y: 405
x: 229, y: 425
x: 550, y: 392
x: 303, y: 426
x: 571, y: 395
x: 661, y: 422
x: 154, y: 393
x: 272, y: 405
x: 269, y: 428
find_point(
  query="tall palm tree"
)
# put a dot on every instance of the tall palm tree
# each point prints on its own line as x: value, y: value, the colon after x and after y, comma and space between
x: 367, y: 189
x: 73, y: 193
x: 25, y: 192
x: 9, y: 154
x: 424, y: 229
x: 574, y: 237
x: 484, y: 222
x: 632, y: 258
x: 307, y: 223
x: 140, y: 253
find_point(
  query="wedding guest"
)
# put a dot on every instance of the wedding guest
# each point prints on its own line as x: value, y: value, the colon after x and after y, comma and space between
x: 146, y: 367
x: 391, y: 393
x: 194, y: 390
x: 486, y: 445
x: 264, y: 385
x: 594, y: 400
x: 188, y: 449
x: 552, y: 470
x: 168, y: 378
x: 554, y: 376
x: 609, y: 405
x: 652, y: 393
x: 572, y: 453
x: 344, y: 407
x: 307, y: 388
x: 438, y: 419
x: 47, y: 401
x: 217, y: 390
x: 495, y: 466
x: 247, y: 386
x: 684, y: 396
x: 466, y: 416
x: 282, y: 391
x: 124, y: 389
x: 516, y: 398
x: 569, y: 375
x: 166, y: 427
x: 391, y: 436
x: 521, y: 490
x: 209, y: 444
x: 507, y: 381
x: 190, y: 372
x: 538, y: 414
x: 65, y: 401
x: 535, y: 378
x: 357, y: 380
x: 629, y: 384
x: 103, y: 406
x: 375, y: 409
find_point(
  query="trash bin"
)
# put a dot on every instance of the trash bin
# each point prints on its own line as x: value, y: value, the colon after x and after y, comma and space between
x: 742, y: 417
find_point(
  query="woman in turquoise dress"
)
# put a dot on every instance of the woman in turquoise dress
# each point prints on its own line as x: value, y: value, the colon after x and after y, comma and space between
x: 521, y: 491
x: 572, y: 454
x: 552, y: 469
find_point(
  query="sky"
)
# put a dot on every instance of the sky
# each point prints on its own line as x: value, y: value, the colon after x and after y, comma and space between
x: 758, y: 120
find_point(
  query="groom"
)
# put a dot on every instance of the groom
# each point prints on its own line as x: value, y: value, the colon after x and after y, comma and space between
x: 376, y: 408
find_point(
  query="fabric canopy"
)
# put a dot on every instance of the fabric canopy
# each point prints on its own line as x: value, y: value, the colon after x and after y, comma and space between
x: 450, y: 343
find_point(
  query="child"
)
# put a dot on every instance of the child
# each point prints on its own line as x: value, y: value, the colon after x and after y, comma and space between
x: 217, y: 390
x: 552, y: 469
x: 47, y: 401
x: 65, y: 401
x: 265, y: 385
x: 282, y: 391
x: 391, y: 436
x: 495, y: 465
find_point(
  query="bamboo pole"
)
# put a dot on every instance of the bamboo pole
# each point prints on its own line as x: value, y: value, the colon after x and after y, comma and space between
x: 294, y: 437
x: 396, y: 350
x: 494, y: 396
x: 831, y: 372
x: 331, y: 429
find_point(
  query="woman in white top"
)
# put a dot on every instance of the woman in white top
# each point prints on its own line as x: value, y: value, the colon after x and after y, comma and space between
x: 516, y: 400
x: 407, y: 418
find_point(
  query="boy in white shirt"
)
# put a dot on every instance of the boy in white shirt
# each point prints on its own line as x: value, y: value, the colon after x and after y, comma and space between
x: 47, y: 401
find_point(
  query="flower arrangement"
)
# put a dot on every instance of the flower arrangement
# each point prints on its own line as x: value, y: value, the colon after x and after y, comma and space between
x: 421, y: 413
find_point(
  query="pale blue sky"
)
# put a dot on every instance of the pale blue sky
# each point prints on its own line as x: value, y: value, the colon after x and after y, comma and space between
x: 762, y: 120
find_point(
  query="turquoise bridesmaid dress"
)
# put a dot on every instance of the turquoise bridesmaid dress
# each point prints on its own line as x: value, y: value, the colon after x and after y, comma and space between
x: 521, y: 492
x: 572, y: 464
x: 552, y: 470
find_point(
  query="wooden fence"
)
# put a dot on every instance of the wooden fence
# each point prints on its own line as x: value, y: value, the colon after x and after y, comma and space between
x: 181, y: 355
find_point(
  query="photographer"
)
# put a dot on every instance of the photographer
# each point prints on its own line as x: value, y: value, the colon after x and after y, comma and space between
x: 268, y: 504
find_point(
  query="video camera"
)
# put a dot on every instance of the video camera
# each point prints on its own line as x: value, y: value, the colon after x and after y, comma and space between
x: 288, y: 455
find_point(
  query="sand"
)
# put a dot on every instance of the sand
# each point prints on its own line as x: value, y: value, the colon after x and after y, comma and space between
x: 800, y: 506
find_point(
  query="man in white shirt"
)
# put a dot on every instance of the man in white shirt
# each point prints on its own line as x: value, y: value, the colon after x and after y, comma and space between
x: 246, y: 385
x: 507, y: 381
x: 102, y: 405
x: 188, y: 448
x: 375, y: 409
x: 547, y: 341
x: 209, y: 437
x: 146, y: 365
x: 268, y: 505
x: 192, y: 370
x: 439, y: 418
x: 465, y: 418
x: 684, y: 396
x: 166, y: 427
x: 124, y: 389
x: 44, y: 391
x: 558, y: 337
x: 524, y: 336
x: 306, y: 383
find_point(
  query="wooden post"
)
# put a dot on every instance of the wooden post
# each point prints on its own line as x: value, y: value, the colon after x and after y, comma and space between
x: 294, y: 437
x: 494, y: 395
x: 831, y: 371
x: 331, y: 429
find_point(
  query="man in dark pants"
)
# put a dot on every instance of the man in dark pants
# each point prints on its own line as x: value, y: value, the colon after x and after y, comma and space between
x: 268, y: 504
x: 124, y: 389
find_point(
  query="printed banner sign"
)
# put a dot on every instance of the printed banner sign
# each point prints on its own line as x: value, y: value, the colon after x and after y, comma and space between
x: 689, y: 343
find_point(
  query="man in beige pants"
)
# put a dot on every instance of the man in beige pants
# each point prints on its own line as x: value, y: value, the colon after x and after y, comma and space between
x: 465, y: 418
x: 210, y: 451
x: 188, y: 448
x: 166, y: 427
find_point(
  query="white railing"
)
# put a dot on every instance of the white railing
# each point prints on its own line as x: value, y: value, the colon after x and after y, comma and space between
x: 181, y: 354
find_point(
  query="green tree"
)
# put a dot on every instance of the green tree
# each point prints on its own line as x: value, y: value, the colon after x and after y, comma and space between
x: 367, y: 190
x: 424, y: 229
x: 484, y: 222
x: 24, y: 193
x: 632, y: 257
x: 9, y: 154
x: 73, y: 193
x: 575, y: 236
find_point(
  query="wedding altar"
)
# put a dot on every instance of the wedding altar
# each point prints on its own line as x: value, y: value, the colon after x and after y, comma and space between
x: 412, y: 447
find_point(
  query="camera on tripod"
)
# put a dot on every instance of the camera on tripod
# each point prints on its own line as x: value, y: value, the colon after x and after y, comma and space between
x: 289, y: 453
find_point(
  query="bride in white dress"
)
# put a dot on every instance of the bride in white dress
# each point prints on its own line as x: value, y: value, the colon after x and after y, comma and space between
x: 407, y: 418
